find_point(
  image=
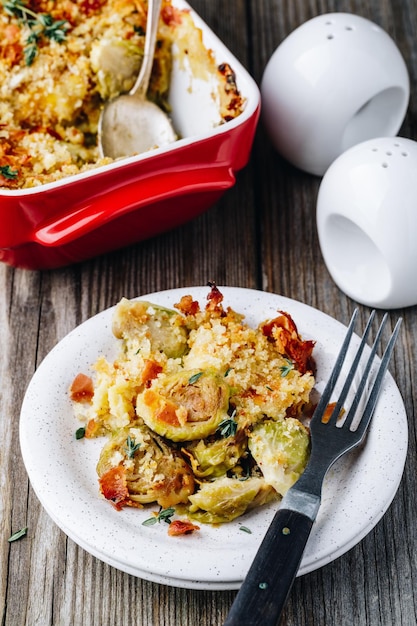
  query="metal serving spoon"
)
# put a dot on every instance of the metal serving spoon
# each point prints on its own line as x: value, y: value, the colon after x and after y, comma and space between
x: 131, y: 124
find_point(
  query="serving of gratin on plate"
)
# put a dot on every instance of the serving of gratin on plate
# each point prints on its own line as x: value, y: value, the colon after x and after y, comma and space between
x: 60, y: 62
x: 202, y: 413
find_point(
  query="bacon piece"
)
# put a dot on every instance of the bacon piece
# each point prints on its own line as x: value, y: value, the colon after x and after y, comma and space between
x: 11, y: 50
x: 82, y: 388
x: 215, y: 299
x: 181, y: 527
x: 283, y: 331
x: 329, y: 411
x: 187, y: 306
x: 113, y: 486
x: 88, y: 7
x: 92, y: 429
x: 170, y: 15
x: 163, y: 410
x: 150, y: 371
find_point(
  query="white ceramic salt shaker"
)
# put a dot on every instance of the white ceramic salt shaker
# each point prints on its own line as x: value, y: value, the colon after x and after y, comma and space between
x: 367, y: 222
x: 335, y: 81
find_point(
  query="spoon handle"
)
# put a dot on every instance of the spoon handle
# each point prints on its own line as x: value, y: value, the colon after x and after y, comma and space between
x: 142, y: 82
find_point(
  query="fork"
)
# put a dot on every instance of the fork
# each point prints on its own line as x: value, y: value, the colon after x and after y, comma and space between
x: 264, y: 592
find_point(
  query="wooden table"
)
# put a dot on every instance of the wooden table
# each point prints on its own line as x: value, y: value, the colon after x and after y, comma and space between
x: 262, y: 235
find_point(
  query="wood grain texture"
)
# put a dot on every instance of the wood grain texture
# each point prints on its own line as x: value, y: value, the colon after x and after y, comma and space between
x: 261, y: 234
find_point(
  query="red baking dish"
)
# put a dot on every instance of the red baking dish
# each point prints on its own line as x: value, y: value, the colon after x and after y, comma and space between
x: 130, y: 200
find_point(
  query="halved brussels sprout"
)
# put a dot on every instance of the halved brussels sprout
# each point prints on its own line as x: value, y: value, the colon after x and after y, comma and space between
x: 116, y: 63
x: 281, y: 450
x: 138, y: 467
x: 214, y: 459
x: 185, y: 406
x: 154, y: 328
x: 227, y: 498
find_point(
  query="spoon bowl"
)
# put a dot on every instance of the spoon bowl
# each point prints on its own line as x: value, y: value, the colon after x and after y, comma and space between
x: 131, y: 124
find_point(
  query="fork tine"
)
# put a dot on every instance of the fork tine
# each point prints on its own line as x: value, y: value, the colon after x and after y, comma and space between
x: 362, y: 384
x: 331, y: 383
x: 349, y: 379
x: 377, y: 386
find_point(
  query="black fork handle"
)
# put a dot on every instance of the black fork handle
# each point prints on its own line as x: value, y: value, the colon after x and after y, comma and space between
x: 265, y: 590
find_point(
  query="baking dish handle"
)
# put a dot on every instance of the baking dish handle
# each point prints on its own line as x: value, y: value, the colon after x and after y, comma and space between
x: 98, y: 210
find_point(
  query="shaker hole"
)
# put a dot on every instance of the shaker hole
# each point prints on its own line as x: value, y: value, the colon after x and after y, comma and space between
x: 404, y: 154
x: 384, y: 164
x: 330, y: 36
x: 356, y: 263
x: 378, y: 117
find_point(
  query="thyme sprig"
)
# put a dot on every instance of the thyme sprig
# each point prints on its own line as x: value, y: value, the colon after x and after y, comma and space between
x: 164, y: 515
x: 41, y: 26
x: 228, y: 426
x: 7, y: 172
x: 18, y: 535
x: 286, y: 369
x: 80, y: 433
x: 194, y: 378
x: 131, y: 447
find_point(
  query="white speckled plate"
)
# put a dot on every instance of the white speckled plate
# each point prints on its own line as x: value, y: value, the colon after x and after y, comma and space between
x: 357, y: 491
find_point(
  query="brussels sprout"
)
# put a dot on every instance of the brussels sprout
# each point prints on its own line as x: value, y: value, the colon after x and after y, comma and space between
x: 214, y: 459
x: 227, y: 498
x: 151, y: 470
x: 281, y: 450
x: 155, y: 328
x: 116, y: 63
x: 185, y: 406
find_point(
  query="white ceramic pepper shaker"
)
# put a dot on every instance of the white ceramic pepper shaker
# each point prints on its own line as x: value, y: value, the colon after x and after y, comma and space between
x: 367, y: 222
x: 337, y: 80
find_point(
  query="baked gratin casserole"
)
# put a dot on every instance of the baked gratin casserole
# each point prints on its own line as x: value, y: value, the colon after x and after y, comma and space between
x: 61, y: 60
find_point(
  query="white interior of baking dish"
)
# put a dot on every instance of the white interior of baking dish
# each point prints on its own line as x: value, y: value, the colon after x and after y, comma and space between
x: 194, y: 101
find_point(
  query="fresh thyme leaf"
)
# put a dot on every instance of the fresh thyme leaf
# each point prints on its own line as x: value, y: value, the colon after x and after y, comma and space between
x: 150, y: 521
x: 80, y: 432
x: 164, y: 515
x: 227, y: 372
x: 30, y: 51
x: 131, y: 447
x: 40, y: 25
x: 18, y: 535
x: 194, y: 378
x: 44, y: 19
x: 285, y: 369
x: 228, y: 426
x: 7, y: 172
x: 56, y: 30
x: 245, y: 529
